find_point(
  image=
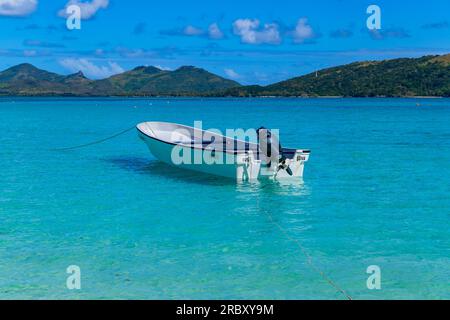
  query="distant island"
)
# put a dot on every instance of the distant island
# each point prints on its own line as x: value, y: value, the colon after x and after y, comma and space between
x: 404, y: 77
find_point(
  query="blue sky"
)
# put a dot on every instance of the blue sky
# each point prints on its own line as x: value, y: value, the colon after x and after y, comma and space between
x: 250, y: 41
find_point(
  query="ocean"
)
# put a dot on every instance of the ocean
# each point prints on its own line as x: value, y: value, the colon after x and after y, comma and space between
x: 375, y: 193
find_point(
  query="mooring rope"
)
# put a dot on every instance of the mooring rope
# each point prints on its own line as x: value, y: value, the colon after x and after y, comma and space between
x: 309, y: 258
x: 94, y: 142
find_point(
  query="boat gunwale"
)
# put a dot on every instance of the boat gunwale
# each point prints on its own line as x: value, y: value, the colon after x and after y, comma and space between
x: 195, y: 146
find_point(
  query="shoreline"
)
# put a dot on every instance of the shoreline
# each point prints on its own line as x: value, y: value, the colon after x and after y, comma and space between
x: 218, y: 97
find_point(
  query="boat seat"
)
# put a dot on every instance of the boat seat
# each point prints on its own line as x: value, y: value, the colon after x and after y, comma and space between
x: 245, y: 146
x: 285, y: 152
x: 288, y: 153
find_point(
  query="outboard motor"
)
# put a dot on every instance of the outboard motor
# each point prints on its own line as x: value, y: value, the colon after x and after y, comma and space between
x: 270, y: 150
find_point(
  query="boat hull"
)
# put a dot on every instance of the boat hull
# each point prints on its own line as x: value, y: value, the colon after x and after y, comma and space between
x: 169, y: 144
x: 235, y: 166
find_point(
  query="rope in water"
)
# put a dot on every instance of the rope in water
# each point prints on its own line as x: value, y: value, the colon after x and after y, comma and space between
x: 309, y: 258
x: 94, y: 142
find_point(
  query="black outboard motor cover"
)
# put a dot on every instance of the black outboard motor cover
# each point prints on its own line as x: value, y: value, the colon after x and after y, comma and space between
x: 270, y: 151
x: 269, y: 146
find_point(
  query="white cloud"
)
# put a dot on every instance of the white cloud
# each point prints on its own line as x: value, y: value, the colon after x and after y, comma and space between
x: 99, y: 52
x: 214, y: 31
x: 88, y: 9
x: 250, y: 32
x: 131, y: 53
x: 192, y: 31
x: 90, y: 69
x: 232, y: 74
x: 163, y: 68
x: 303, y: 31
x: 29, y: 53
x: 17, y: 8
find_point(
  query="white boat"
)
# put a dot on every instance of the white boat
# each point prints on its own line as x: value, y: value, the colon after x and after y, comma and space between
x: 210, y: 152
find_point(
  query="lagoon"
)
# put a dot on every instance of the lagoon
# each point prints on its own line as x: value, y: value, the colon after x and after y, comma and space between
x: 375, y: 192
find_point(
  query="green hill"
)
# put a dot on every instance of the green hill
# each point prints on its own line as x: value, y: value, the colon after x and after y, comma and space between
x: 185, y: 81
x: 426, y: 76
x: 27, y: 80
x: 134, y: 80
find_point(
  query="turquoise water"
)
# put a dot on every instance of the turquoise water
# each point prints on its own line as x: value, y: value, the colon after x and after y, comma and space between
x: 375, y: 192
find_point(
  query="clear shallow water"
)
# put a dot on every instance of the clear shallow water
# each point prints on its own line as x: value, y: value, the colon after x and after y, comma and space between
x: 376, y: 192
